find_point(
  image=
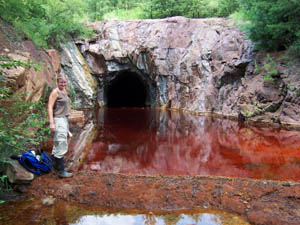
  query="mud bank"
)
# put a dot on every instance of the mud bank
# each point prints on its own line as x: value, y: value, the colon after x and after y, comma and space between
x: 259, y: 202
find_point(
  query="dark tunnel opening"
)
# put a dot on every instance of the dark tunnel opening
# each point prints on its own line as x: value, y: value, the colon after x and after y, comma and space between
x: 126, y: 90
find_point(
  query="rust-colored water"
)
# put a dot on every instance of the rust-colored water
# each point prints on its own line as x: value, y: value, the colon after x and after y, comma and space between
x: 152, y: 141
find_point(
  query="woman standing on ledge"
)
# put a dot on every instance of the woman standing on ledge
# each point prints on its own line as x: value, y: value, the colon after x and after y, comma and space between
x: 58, y: 111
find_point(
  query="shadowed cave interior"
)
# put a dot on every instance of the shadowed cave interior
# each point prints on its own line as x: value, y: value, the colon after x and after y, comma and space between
x: 126, y: 90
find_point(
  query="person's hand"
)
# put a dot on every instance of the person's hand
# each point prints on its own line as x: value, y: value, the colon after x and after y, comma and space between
x: 52, y: 127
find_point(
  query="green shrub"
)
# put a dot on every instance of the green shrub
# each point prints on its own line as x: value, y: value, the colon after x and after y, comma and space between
x: 22, y: 123
x: 46, y: 22
x: 273, y: 24
x: 294, y: 49
x: 227, y: 7
x: 268, y: 77
x: 4, y: 185
x: 121, y: 14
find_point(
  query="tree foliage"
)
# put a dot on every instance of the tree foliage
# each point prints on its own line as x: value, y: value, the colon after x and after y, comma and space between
x: 45, y: 22
x: 49, y: 22
x: 273, y: 24
x: 22, y: 124
x: 192, y: 8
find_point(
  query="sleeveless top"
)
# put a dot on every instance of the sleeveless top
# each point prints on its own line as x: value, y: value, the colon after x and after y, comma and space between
x: 61, y: 105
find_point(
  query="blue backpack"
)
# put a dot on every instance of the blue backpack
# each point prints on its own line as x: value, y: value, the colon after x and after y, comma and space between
x: 35, y: 162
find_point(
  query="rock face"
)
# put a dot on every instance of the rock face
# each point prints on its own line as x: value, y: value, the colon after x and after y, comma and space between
x: 183, y: 63
x: 28, y: 80
x: 200, y: 65
x: 82, y: 85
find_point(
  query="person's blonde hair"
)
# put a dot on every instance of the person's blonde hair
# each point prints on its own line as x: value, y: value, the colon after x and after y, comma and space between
x: 60, y: 76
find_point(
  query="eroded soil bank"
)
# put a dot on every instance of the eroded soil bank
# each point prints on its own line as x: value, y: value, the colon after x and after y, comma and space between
x: 259, y: 202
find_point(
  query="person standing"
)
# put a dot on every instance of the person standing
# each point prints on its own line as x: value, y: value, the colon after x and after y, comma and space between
x: 58, y: 112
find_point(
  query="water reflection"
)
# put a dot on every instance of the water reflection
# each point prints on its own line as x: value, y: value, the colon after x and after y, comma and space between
x: 60, y: 212
x: 152, y: 141
x: 181, y: 219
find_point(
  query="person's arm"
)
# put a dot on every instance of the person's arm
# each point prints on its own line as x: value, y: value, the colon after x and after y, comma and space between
x: 52, y: 98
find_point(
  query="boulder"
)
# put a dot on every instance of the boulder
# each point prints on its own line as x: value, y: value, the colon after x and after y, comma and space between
x: 17, y: 174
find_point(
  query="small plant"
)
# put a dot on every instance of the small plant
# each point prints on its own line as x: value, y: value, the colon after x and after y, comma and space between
x: 267, y: 66
x: 256, y: 107
x: 73, y: 95
x: 248, y: 113
x: 270, y: 69
x: 257, y: 70
x: 294, y: 49
x: 268, y: 77
x: 4, y: 185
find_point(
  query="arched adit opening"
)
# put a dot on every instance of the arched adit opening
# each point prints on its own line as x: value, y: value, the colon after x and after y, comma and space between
x: 126, y: 90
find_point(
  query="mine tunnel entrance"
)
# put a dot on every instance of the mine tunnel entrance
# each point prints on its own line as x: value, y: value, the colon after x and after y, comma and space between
x: 126, y: 90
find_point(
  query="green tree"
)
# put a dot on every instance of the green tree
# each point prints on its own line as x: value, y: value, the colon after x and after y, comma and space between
x: 227, y: 7
x: 192, y: 8
x: 273, y: 24
x: 46, y: 22
x: 166, y: 8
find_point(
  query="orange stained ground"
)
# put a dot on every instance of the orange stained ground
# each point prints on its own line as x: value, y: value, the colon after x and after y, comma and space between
x: 152, y: 141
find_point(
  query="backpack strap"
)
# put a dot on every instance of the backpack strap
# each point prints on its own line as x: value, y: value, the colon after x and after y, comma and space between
x: 46, y: 162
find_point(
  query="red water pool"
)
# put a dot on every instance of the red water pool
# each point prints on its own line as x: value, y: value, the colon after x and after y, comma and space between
x: 152, y: 141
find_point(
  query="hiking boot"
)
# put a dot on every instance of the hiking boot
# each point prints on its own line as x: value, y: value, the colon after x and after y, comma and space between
x: 64, y: 174
x: 59, y: 168
x: 54, y: 164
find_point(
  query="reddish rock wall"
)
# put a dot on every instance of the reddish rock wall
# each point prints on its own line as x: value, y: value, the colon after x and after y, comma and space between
x: 201, y: 65
x: 28, y: 80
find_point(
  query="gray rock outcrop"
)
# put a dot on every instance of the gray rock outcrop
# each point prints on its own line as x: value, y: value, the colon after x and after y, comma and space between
x: 199, y: 65
x: 189, y: 64
x: 82, y: 85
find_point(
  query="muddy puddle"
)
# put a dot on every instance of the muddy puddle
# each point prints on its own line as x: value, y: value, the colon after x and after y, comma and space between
x: 161, y: 142
x: 49, y: 211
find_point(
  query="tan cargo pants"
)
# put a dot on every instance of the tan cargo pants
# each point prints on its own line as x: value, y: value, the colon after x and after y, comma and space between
x: 60, y: 146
